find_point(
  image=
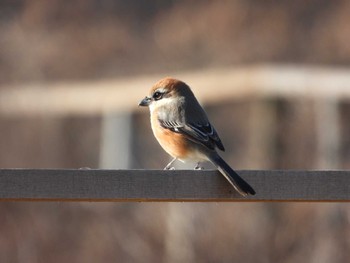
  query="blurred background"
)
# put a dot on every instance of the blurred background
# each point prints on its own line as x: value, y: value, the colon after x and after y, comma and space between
x: 272, y: 75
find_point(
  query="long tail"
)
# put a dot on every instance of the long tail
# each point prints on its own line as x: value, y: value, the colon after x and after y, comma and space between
x: 235, y: 180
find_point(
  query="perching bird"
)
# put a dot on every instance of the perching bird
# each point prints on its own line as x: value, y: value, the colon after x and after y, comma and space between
x: 182, y: 128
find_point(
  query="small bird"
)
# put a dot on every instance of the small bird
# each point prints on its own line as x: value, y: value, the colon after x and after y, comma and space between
x: 182, y: 128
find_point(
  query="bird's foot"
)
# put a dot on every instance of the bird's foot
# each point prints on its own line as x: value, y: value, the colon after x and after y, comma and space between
x: 169, y: 168
x: 198, y: 167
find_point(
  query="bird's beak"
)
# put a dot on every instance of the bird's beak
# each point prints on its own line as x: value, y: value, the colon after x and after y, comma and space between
x: 145, y: 102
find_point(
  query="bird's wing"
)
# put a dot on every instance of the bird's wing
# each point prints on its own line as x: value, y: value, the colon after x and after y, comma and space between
x: 202, y: 133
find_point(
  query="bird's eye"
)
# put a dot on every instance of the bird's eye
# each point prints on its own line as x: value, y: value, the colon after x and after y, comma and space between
x: 157, y: 95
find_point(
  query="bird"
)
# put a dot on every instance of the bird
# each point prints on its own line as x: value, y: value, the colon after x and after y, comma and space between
x: 182, y: 128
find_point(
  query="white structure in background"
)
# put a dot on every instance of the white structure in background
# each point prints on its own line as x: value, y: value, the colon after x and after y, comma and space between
x: 115, y: 148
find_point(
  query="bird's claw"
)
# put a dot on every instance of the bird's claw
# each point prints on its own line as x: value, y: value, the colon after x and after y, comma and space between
x: 198, y: 167
x: 169, y: 168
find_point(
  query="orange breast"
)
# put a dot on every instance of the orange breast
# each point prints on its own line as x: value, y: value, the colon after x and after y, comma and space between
x: 173, y: 143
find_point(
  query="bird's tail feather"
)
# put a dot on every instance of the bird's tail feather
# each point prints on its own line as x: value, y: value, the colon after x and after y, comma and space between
x: 235, y: 180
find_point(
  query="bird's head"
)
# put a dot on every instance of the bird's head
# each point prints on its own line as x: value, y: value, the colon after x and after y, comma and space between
x: 166, y: 91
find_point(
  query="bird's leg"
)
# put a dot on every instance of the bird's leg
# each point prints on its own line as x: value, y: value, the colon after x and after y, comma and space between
x: 198, y: 167
x: 169, y: 167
